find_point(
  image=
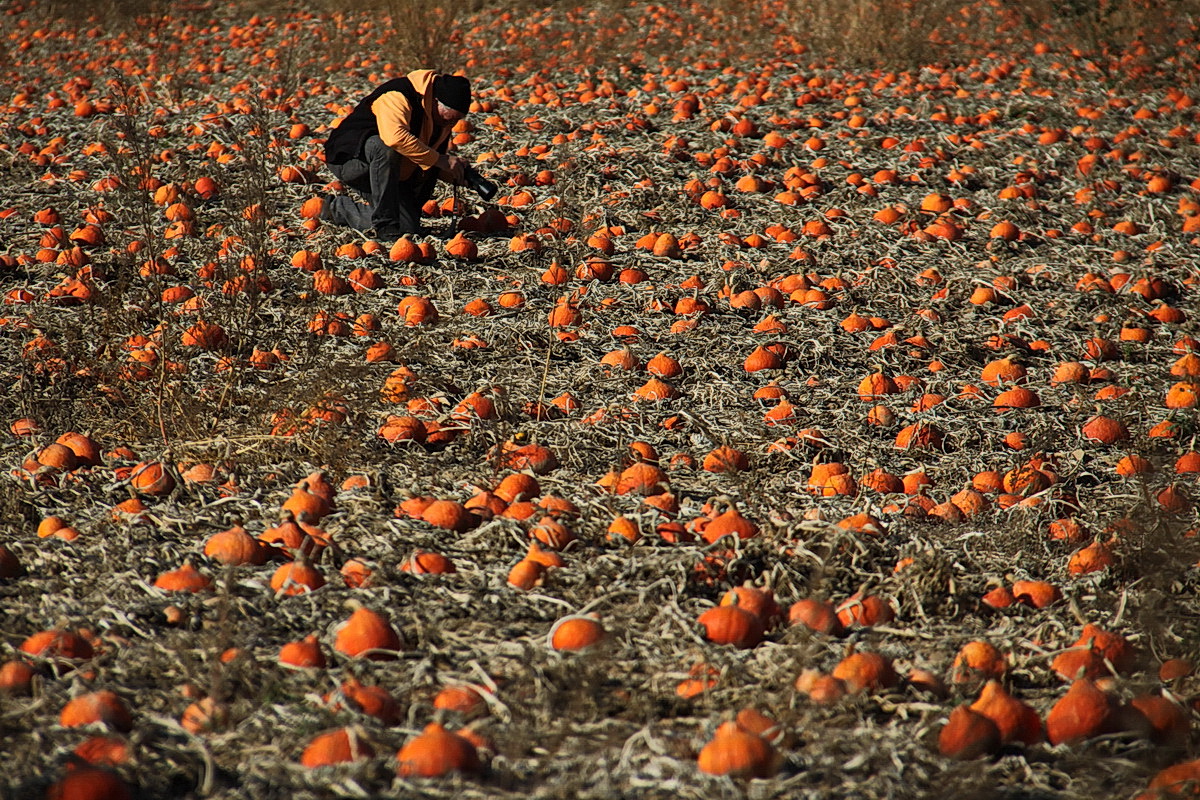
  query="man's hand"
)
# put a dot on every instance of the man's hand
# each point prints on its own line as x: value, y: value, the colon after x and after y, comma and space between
x: 453, y: 166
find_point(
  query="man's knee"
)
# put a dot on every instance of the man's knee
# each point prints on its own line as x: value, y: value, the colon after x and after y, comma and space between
x: 376, y: 152
x: 355, y: 173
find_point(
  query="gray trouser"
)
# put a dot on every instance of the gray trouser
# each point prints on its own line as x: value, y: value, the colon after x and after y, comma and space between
x: 394, y: 205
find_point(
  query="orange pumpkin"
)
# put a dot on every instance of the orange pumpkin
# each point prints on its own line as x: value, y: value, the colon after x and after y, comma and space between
x: 235, y: 547
x: 102, y: 706
x: 451, y: 515
x: 526, y: 574
x: 865, y: 671
x: 729, y: 522
x: 968, y: 735
x: 303, y: 654
x: 576, y: 633
x: 978, y: 660
x: 759, y: 602
x: 335, y: 747
x: 1016, y: 721
x: 437, y: 752
x: 185, y: 579
x: 296, y: 577
x: 817, y: 615
x: 367, y: 634
x: 733, y: 625
x: 738, y: 753
x: 1083, y: 712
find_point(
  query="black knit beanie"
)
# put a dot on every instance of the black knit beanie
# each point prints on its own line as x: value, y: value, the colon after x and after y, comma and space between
x: 453, y: 91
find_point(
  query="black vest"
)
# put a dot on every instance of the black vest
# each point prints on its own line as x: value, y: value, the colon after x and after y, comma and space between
x: 348, y: 138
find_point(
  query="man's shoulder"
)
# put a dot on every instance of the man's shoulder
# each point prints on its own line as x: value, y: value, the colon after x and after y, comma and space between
x: 391, y: 84
x: 395, y: 88
x: 391, y: 98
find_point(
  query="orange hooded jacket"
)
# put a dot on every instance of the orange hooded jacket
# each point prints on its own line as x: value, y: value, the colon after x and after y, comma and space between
x: 400, y: 111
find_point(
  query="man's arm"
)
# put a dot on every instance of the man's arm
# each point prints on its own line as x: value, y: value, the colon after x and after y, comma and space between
x: 391, y: 114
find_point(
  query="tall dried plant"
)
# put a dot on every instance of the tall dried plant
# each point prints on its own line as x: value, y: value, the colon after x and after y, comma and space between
x: 895, y: 34
x: 1100, y: 27
x: 902, y: 34
x: 426, y: 34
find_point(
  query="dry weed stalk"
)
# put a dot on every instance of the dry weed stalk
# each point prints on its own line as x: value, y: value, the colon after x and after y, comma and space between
x: 875, y: 32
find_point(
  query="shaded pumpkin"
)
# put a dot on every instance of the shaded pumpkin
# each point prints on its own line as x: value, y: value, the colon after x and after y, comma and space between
x: 85, y: 782
x: 1177, y: 781
x: 461, y: 699
x: 58, y: 646
x: 16, y: 678
x: 375, y: 701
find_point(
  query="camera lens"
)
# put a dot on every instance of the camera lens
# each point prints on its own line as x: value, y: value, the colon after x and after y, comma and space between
x: 482, y: 186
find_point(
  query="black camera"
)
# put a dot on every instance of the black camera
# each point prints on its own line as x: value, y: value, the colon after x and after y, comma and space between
x: 481, y: 185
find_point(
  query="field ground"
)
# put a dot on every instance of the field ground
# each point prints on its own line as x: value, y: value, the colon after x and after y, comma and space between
x: 912, y: 345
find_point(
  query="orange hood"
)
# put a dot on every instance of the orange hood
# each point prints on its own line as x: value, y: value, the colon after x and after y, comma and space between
x: 422, y: 81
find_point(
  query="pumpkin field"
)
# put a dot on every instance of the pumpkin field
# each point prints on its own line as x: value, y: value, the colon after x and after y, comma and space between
x: 812, y: 414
